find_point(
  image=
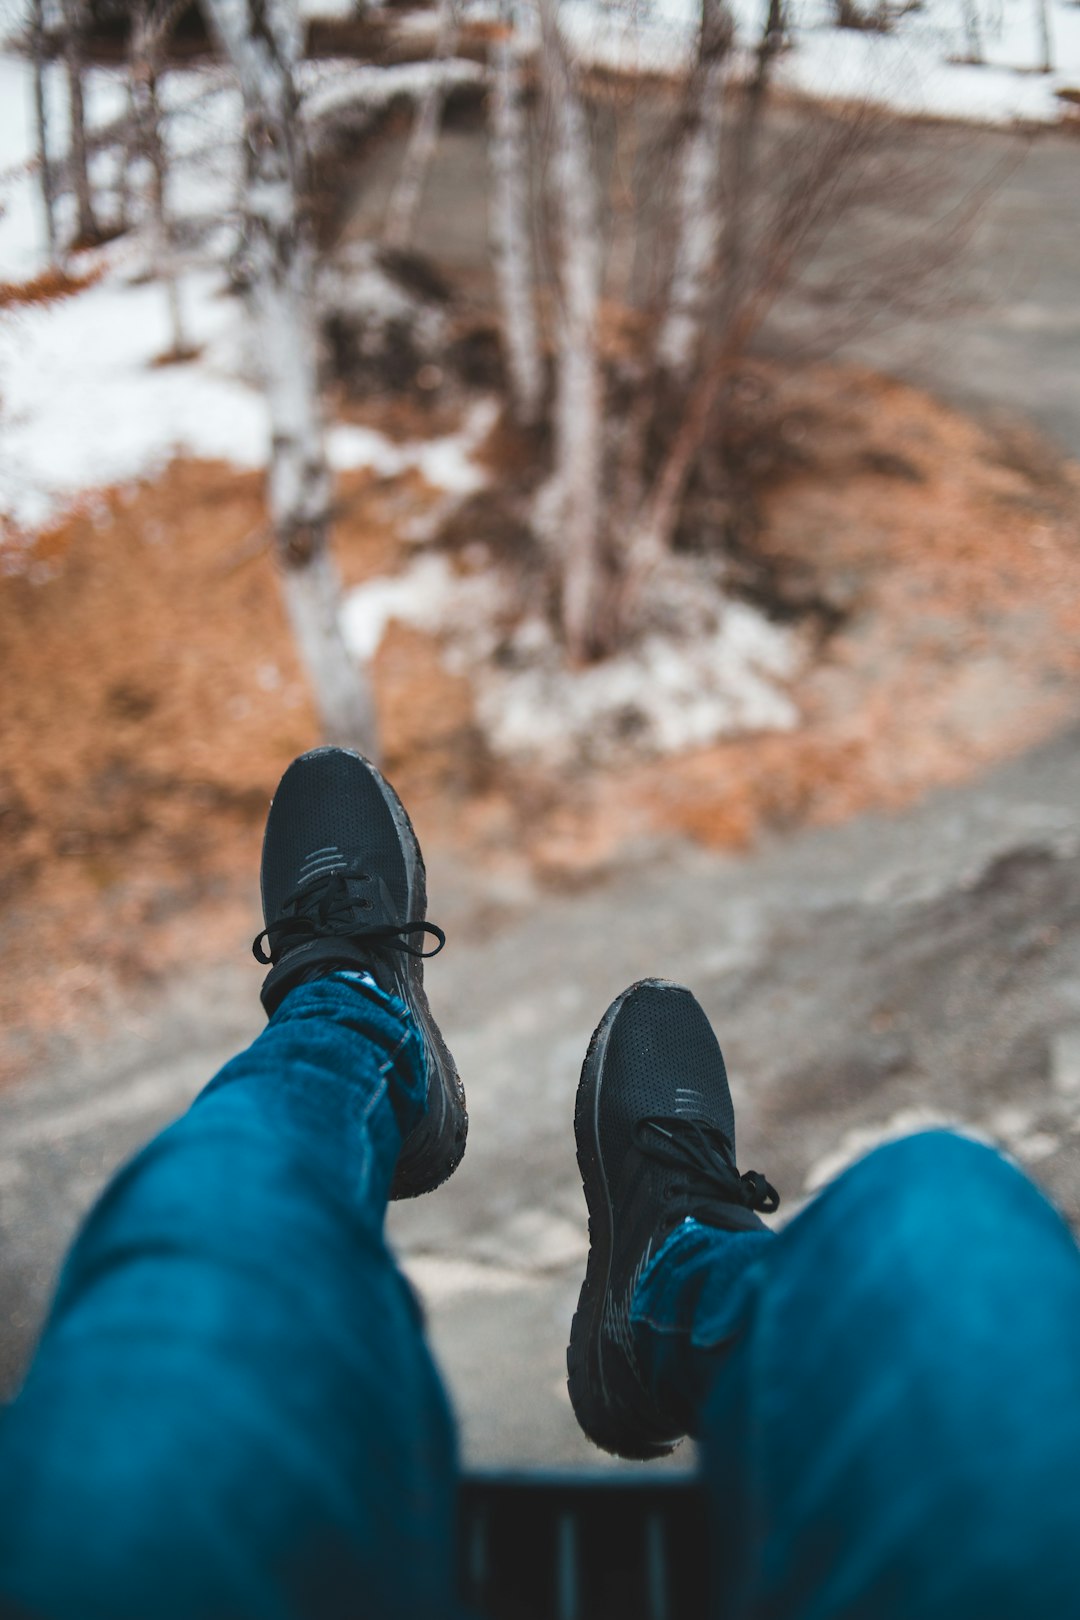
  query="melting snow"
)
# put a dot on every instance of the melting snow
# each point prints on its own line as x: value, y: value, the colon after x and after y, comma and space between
x: 445, y: 463
x: 82, y: 403
x: 429, y: 595
x: 84, y: 406
x: 673, y: 691
x: 335, y: 87
x: 670, y: 693
x: 914, y: 69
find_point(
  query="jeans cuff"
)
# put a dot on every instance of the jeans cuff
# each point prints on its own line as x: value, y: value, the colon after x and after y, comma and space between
x: 360, y: 1007
x: 688, y: 1307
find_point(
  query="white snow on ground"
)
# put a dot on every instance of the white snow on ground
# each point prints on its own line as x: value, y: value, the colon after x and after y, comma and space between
x: 330, y: 9
x: 83, y: 405
x: 1010, y: 1128
x: 670, y: 693
x: 445, y: 463
x: 913, y: 69
x: 429, y: 595
x: 334, y: 86
x: 862, y: 1139
x: 674, y: 691
x: 22, y: 228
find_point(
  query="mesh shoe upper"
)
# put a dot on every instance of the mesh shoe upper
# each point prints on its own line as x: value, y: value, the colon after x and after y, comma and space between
x: 343, y: 886
x: 329, y: 811
x: 655, y: 1129
x: 662, y: 1058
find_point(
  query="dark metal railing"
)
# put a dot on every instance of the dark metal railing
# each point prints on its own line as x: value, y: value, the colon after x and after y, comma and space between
x: 600, y: 1546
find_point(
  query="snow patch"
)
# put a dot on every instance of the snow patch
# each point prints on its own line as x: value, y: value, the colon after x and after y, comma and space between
x: 329, y: 10
x: 671, y: 692
x: 429, y: 595
x: 22, y: 225
x: 334, y: 88
x: 667, y: 694
x: 915, y: 68
x: 445, y: 463
x: 83, y: 405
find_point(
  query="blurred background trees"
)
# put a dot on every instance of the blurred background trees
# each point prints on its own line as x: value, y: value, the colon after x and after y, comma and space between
x: 643, y: 229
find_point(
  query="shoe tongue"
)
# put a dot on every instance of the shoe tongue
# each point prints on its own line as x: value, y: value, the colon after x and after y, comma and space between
x: 384, y: 908
x: 694, y: 1171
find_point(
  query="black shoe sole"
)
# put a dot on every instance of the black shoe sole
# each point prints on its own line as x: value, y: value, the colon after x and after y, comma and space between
x: 435, y: 1147
x: 605, y: 1425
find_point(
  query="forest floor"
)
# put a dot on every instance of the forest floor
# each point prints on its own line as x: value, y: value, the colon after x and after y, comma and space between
x: 152, y: 697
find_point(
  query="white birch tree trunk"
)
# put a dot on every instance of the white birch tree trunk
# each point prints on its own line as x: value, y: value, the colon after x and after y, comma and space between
x: 510, y: 233
x: 263, y: 39
x: 148, y: 40
x: 731, y: 323
x: 41, y: 129
x: 697, y: 231
x: 404, y: 205
x: 86, y: 228
x: 162, y: 236
x: 572, y: 504
x: 126, y: 155
x: 1042, y: 17
x: 973, y: 31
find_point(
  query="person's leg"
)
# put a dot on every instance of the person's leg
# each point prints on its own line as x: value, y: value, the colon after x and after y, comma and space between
x: 887, y: 1392
x: 232, y: 1411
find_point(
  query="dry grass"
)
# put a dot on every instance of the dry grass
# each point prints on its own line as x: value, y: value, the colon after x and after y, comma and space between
x: 47, y: 288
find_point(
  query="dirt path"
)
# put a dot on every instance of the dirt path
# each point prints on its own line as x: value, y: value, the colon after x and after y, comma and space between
x: 864, y: 978
x: 1009, y: 339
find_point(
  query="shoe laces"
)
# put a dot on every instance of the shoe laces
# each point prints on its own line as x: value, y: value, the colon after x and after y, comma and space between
x: 324, y: 907
x: 702, y: 1155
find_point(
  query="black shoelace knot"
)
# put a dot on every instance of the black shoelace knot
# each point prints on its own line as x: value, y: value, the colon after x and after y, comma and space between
x: 699, y: 1150
x: 326, y: 907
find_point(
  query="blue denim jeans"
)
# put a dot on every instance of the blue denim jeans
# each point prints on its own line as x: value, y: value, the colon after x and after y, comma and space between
x: 232, y: 1411
x: 887, y: 1393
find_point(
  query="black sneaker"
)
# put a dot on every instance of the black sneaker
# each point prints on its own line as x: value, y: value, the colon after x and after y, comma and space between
x: 655, y: 1135
x: 343, y: 886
